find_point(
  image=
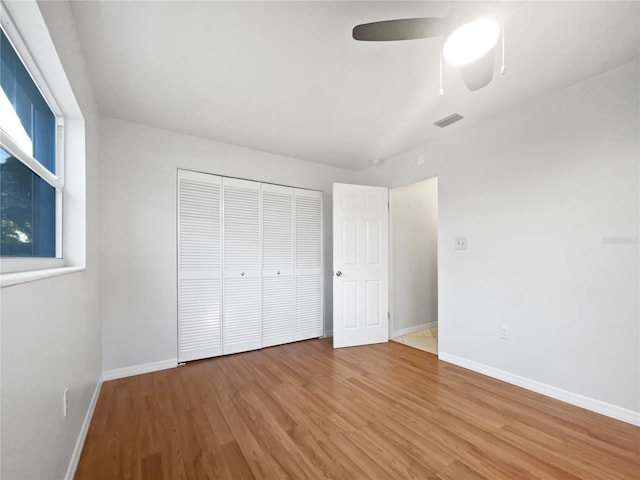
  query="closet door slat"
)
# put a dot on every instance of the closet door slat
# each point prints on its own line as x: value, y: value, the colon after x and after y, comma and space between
x: 278, y: 318
x: 277, y: 227
x: 242, y: 322
x: 309, y: 306
x: 241, y: 226
x: 308, y: 230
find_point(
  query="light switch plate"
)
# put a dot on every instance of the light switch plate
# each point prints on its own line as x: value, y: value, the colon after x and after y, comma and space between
x: 461, y: 243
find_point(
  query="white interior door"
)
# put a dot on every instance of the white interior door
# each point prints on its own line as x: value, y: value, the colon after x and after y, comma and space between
x: 199, y: 266
x: 242, y: 288
x: 309, y: 277
x: 360, y: 265
x: 278, y: 312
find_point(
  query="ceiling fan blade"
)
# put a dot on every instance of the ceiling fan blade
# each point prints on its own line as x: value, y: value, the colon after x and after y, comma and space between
x: 402, y: 29
x: 479, y: 73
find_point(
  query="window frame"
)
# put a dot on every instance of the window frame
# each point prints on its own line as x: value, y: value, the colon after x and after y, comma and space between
x: 24, y: 26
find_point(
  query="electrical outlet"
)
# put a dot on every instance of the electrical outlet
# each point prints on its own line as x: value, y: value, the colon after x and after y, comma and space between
x: 64, y: 402
x: 461, y: 243
x: 505, y: 332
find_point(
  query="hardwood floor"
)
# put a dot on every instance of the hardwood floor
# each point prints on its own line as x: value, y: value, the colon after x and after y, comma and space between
x: 384, y: 411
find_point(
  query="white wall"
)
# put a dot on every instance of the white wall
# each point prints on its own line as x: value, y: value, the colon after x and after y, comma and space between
x: 51, y: 328
x: 414, y: 255
x: 535, y: 190
x: 138, y: 228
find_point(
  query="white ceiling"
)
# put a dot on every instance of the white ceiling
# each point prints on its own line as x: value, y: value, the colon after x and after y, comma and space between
x: 287, y: 78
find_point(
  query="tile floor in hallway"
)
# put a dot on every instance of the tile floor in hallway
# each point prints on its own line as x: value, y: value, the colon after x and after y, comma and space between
x: 426, y: 340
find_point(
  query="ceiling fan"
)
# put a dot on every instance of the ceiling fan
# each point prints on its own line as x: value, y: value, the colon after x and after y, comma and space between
x: 471, y: 38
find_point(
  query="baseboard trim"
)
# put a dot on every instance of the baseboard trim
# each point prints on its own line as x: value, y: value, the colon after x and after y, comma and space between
x: 597, y: 406
x: 82, y: 436
x: 406, y: 331
x: 139, y: 369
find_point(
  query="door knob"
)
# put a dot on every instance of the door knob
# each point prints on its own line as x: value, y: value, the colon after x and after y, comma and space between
x: 338, y: 273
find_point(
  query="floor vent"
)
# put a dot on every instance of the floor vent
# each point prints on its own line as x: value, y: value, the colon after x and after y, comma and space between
x: 446, y: 121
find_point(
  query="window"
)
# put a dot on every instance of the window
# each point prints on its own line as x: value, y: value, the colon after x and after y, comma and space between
x: 30, y: 190
x: 40, y: 123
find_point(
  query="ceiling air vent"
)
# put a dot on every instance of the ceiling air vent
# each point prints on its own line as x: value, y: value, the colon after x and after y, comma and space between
x: 446, y: 121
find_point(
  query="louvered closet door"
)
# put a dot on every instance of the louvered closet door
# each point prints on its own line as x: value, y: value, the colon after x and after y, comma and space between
x: 309, y: 286
x: 242, y: 321
x: 278, y: 320
x: 199, y: 266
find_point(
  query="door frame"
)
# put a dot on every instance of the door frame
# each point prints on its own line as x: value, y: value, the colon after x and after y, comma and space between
x: 392, y: 281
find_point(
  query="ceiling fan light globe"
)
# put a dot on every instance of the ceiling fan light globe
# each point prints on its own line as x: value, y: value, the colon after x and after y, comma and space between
x: 471, y: 41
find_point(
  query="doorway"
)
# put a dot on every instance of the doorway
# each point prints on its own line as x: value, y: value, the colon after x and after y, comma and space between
x: 413, y: 217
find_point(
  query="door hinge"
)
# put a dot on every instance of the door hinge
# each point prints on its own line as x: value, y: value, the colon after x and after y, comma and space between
x: 388, y: 315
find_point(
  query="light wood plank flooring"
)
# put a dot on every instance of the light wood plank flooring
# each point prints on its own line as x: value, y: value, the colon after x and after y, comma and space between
x: 383, y: 411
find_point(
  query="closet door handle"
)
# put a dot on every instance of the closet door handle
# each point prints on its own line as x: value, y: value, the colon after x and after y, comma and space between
x: 338, y: 273
x: 278, y: 272
x: 242, y: 274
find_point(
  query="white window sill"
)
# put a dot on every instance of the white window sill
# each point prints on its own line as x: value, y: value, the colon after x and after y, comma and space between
x: 29, y: 264
x: 15, y: 278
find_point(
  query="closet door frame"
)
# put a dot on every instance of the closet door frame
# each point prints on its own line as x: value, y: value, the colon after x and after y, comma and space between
x: 257, y: 272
